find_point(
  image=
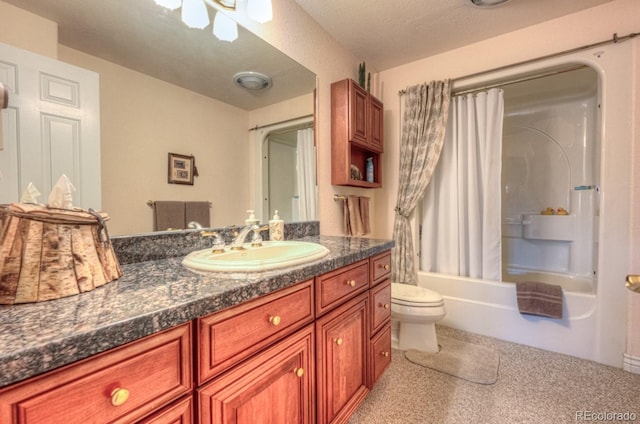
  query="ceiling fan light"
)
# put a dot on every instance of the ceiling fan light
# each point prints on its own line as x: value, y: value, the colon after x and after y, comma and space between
x: 169, y: 4
x: 227, y: 4
x: 195, y: 14
x: 225, y: 28
x: 260, y: 10
x: 487, y: 3
x: 252, y: 80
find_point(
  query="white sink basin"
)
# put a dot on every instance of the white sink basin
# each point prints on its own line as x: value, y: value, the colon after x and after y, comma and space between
x: 271, y: 255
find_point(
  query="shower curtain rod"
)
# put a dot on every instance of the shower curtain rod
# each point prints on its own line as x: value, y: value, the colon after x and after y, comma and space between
x: 258, y: 127
x: 613, y: 40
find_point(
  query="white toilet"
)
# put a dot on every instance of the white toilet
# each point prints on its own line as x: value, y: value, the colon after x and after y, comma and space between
x: 414, y: 312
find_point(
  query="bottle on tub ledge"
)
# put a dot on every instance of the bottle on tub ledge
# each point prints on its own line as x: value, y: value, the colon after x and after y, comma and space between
x: 276, y: 228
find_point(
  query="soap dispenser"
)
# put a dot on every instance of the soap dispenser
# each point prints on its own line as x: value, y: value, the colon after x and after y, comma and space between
x: 252, y: 220
x: 276, y: 228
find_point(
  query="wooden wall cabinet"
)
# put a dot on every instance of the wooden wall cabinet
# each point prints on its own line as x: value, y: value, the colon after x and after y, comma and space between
x: 356, y: 134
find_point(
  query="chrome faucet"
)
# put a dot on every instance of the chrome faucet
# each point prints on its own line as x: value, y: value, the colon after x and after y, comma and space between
x: 256, y: 240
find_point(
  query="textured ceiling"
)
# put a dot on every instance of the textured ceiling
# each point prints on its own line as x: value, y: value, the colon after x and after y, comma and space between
x: 386, y: 34
x: 152, y: 40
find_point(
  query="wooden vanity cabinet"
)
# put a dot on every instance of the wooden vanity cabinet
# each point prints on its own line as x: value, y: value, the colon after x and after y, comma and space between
x: 356, y: 134
x: 122, y: 385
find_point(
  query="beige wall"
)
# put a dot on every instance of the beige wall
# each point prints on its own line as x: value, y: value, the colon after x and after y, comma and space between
x: 28, y: 31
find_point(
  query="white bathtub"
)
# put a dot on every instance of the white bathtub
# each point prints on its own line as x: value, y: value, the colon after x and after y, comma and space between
x: 490, y: 308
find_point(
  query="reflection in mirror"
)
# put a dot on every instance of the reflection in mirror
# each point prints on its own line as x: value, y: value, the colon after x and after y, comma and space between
x: 288, y: 162
x: 167, y: 88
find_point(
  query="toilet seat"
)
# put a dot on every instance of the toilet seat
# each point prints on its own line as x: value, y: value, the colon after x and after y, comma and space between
x: 418, y: 297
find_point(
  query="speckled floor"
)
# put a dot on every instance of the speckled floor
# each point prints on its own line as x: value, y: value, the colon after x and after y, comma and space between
x: 534, y: 386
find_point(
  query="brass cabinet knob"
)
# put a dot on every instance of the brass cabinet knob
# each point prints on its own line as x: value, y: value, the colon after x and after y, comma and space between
x: 119, y: 396
x: 385, y: 305
x: 351, y: 283
x: 275, y: 320
x: 339, y: 341
x: 385, y: 354
x: 386, y: 267
x: 299, y: 372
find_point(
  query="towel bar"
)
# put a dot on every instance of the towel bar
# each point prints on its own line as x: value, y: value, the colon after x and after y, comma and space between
x: 337, y: 197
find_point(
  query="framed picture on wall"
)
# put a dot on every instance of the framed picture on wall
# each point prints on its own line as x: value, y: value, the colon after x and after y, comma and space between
x: 181, y: 169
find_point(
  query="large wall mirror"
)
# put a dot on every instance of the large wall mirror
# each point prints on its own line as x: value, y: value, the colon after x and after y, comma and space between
x: 166, y: 88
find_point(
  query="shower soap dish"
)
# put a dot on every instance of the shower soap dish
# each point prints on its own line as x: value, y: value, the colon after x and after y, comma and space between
x: 49, y: 253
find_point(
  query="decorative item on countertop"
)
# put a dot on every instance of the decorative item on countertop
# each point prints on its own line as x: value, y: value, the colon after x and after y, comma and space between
x: 276, y: 228
x: 30, y: 195
x: 48, y: 253
x: 562, y: 211
x: 361, y: 74
x: 369, y: 170
x: 252, y: 220
x: 548, y: 211
x: 355, y: 173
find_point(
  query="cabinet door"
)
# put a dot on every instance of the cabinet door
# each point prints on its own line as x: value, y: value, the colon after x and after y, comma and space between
x: 376, y: 128
x: 341, y: 354
x: 380, y: 353
x: 358, y: 109
x: 274, y: 387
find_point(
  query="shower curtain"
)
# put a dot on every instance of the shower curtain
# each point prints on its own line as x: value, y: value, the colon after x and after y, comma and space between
x: 461, y: 233
x: 423, y: 128
x: 306, y: 174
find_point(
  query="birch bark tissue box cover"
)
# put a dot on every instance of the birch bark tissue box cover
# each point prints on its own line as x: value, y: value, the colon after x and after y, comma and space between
x: 47, y: 253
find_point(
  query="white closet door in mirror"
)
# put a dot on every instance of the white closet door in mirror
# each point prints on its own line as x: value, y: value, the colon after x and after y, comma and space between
x: 52, y: 127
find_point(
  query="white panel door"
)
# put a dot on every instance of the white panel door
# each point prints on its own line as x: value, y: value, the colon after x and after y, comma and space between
x: 52, y: 127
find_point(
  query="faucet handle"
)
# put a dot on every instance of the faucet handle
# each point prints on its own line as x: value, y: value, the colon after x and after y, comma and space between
x: 256, y: 238
x: 218, y: 241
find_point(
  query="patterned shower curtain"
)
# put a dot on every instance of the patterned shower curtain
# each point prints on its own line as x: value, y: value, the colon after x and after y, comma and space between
x: 423, y: 128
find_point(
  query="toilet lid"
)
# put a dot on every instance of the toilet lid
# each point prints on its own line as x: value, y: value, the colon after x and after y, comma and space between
x: 405, y: 294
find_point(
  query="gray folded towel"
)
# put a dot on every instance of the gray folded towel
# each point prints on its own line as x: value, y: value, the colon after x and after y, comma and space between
x: 535, y: 298
x: 168, y: 214
x: 198, y: 212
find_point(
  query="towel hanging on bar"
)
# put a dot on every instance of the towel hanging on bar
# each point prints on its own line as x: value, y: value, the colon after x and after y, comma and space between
x: 168, y: 214
x: 356, y: 216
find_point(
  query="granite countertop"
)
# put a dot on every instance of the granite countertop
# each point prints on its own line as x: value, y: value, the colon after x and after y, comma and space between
x: 150, y: 296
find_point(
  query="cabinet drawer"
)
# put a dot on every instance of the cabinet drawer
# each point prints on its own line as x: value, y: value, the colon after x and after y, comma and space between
x: 380, y: 354
x: 380, y: 301
x: 143, y: 375
x: 229, y: 336
x: 335, y: 287
x: 380, y: 267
